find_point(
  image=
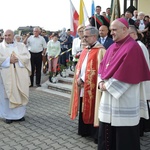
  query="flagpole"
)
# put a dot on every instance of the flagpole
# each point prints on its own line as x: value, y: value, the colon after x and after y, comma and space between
x: 93, y: 12
x: 95, y: 20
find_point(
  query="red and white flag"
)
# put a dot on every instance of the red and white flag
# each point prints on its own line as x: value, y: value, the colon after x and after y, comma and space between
x: 74, y: 19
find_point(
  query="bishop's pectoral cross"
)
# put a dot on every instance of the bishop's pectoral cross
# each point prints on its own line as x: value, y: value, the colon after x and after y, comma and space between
x: 107, y: 65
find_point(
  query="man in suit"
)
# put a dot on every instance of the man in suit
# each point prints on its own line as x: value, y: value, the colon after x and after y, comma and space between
x: 98, y: 20
x: 128, y: 17
x: 104, y: 39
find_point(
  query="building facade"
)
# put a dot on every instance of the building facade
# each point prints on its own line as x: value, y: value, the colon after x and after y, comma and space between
x: 140, y: 5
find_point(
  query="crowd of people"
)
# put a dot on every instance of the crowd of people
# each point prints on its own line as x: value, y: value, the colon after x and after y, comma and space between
x: 111, y: 75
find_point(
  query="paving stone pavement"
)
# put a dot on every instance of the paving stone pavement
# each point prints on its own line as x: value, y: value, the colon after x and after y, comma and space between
x: 48, y: 127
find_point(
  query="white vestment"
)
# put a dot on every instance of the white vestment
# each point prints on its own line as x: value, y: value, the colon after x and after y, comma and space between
x: 14, y: 80
x: 124, y: 104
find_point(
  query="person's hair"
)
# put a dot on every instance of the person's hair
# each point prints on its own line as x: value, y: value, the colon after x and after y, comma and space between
x: 55, y: 34
x: 93, y: 30
x: 98, y: 6
x: 135, y: 10
x: 79, y: 27
x: 128, y: 12
x: 122, y: 15
x: 133, y: 28
x: 37, y: 29
x: 17, y: 35
x: 146, y: 16
x: 141, y: 13
x: 43, y: 31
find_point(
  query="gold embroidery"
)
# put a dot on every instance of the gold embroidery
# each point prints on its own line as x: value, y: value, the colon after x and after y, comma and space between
x: 90, y: 83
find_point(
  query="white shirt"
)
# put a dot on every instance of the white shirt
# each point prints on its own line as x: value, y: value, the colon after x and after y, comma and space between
x: 82, y: 73
x: 103, y: 40
x: 141, y: 25
x: 36, y: 44
x: 76, y: 46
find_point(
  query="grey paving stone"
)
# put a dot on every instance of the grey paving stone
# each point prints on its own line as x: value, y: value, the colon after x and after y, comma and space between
x: 30, y: 146
x: 6, y: 147
x: 48, y: 127
x: 56, y: 145
x: 44, y: 146
x: 68, y: 145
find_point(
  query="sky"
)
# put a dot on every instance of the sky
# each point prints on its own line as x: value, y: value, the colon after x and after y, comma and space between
x: 51, y: 15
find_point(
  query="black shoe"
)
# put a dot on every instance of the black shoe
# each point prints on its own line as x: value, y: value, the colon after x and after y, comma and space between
x: 31, y: 86
x: 22, y: 119
x: 85, y: 135
x: 8, y: 121
x: 96, y: 141
x: 38, y: 85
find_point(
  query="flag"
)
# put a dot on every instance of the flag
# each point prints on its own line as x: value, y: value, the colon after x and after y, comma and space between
x: 74, y: 18
x: 83, y: 15
x: 92, y: 8
x: 115, y: 9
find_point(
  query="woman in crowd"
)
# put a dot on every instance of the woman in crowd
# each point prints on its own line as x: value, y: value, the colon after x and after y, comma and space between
x: 141, y: 24
x: 78, y: 44
x: 53, y: 50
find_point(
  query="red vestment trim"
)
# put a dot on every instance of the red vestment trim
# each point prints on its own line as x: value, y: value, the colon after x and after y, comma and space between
x: 89, y: 86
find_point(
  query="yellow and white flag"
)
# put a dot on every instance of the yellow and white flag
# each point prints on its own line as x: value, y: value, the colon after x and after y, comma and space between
x: 83, y: 15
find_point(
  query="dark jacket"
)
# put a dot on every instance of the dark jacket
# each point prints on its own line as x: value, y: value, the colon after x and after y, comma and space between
x: 98, y: 25
x: 107, y: 42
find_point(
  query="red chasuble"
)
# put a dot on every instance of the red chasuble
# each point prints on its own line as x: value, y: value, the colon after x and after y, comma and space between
x: 89, y: 86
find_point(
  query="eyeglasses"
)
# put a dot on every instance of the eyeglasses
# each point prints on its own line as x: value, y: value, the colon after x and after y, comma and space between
x: 87, y: 36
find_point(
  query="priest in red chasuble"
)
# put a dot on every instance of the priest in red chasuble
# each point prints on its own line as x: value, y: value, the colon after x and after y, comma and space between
x: 83, y: 97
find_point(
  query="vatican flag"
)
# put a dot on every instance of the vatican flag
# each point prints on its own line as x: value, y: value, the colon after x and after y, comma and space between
x: 83, y: 15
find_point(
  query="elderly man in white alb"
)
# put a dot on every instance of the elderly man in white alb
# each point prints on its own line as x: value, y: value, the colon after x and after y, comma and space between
x: 15, y: 70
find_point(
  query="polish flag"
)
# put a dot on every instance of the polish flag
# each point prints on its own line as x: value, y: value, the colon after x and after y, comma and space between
x: 74, y: 19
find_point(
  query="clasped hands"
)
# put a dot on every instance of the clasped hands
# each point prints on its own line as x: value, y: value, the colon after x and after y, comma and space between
x: 13, y: 59
x: 101, y: 86
x: 80, y: 82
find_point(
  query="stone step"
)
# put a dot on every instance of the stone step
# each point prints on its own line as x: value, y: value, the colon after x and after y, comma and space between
x: 45, y: 88
x: 67, y: 80
x: 63, y: 87
x: 64, y: 84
